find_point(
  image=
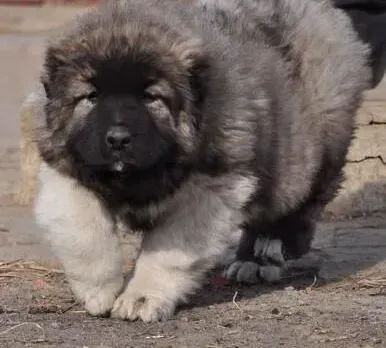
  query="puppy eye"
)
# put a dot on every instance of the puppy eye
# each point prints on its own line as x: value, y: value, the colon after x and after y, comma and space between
x: 151, y: 96
x: 92, y: 97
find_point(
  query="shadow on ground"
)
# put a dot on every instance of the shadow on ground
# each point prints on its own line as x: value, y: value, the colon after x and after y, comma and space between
x: 345, y: 248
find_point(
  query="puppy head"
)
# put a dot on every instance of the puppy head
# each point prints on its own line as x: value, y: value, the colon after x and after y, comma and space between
x: 124, y: 95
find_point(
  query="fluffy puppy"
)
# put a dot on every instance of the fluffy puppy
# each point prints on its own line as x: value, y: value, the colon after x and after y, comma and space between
x: 192, y: 123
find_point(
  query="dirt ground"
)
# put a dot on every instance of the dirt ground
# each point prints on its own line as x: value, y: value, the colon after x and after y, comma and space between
x: 335, y: 297
x: 341, y: 305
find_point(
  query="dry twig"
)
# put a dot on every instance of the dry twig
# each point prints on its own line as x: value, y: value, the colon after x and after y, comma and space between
x: 42, y: 338
x: 234, y: 301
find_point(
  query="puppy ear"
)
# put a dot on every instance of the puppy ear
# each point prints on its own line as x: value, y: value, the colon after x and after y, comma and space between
x: 196, y: 62
x: 45, y: 84
x: 54, y: 59
x: 199, y: 76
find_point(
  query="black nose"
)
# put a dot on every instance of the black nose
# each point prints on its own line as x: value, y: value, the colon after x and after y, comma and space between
x: 118, y: 137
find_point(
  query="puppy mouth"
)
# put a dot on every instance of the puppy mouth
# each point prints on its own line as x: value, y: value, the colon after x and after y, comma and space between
x: 120, y: 166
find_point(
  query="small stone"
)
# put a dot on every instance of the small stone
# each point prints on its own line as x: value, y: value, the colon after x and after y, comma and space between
x: 227, y: 324
x: 377, y: 340
x: 54, y: 325
x: 289, y: 288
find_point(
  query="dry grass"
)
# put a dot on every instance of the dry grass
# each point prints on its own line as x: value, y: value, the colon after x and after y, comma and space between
x: 374, y: 281
x: 27, y: 270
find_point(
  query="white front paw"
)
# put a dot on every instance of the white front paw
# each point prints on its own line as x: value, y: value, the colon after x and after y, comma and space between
x: 136, y: 304
x: 98, y: 300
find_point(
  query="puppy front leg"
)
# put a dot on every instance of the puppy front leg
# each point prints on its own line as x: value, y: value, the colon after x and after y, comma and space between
x: 82, y: 235
x: 174, y: 257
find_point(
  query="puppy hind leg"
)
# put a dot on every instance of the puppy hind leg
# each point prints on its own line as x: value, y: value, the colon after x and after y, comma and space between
x: 82, y: 235
x: 296, y: 231
x: 259, y: 256
x: 271, y: 245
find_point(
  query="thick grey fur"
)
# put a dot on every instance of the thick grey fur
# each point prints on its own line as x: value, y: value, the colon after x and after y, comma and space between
x: 280, y: 82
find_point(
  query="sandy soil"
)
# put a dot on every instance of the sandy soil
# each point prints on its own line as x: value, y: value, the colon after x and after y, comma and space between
x: 335, y: 297
x: 38, y: 309
x: 343, y: 304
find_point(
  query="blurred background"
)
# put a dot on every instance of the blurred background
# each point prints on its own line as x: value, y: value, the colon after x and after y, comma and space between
x: 25, y: 26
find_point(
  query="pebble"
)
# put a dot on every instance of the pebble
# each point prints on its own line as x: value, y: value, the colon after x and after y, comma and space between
x: 3, y: 229
x: 227, y: 324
